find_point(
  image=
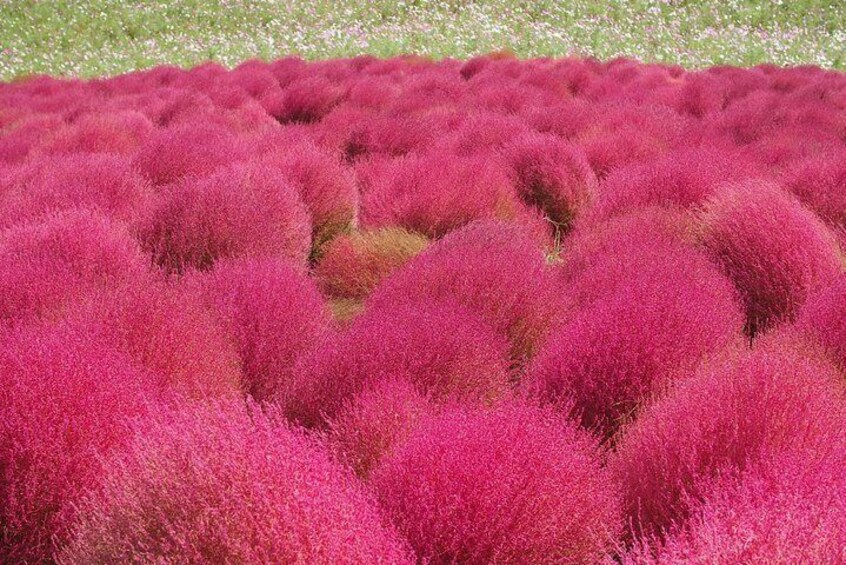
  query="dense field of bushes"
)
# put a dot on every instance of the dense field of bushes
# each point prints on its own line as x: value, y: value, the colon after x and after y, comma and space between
x: 398, y: 311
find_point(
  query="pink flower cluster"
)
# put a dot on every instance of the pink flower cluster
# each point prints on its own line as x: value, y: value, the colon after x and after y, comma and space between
x: 398, y: 311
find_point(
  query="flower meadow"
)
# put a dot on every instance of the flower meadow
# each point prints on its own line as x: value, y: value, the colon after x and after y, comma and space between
x: 411, y: 311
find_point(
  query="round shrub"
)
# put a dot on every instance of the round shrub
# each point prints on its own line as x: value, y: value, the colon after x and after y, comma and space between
x: 609, y: 355
x: 438, y: 192
x: 789, y: 510
x: 597, y: 257
x: 492, y: 268
x: 440, y: 347
x: 47, y: 266
x: 352, y: 265
x: 226, y: 482
x: 326, y: 187
x: 119, y: 133
x: 680, y: 178
x: 553, y: 175
x: 240, y: 211
x: 104, y: 183
x: 820, y: 183
x: 369, y: 425
x: 65, y: 398
x: 823, y: 319
x: 273, y: 312
x: 193, y: 148
x: 518, y: 484
x: 169, y: 331
x: 775, y: 251
x: 726, y: 416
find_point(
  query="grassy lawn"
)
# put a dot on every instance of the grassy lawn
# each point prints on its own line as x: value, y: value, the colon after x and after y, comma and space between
x: 105, y: 37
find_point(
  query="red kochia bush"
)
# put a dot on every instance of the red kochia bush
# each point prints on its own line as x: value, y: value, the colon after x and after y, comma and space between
x: 553, y: 175
x: 380, y: 417
x: 438, y: 192
x: 168, y: 330
x: 774, y: 250
x: 729, y: 414
x: 680, y: 178
x: 45, y: 267
x: 823, y: 319
x: 787, y: 510
x: 273, y: 312
x: 820, y: 183
x: 326, y: 187
x: 240, y: 211
x: 440, y: 347
x: 352, y: 265
x: 118, y: 133
x: 596, y: 256
x: 518, y: 484
x: 64, y: 399
x: 683, y: 309
x: 492, y: 268
x: 228, y: 483
x: 186, y: 149
x: 105, y: 183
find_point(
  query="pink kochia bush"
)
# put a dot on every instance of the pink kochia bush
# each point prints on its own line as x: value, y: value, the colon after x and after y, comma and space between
x: 105, y: 183
x: 790, y: 509
x: 774, y: 250
x: 65, y: 398
x: 553, y: 175
x: 240, y: 211
x: 674, y: 309
x: 456, y: 356
x: 229, y: 483
x: 517, y: 484
x: 273, y: 312
x: 47, y: 266
x: 492, y: 268
x: 725, y: 417
x: 438, y: 192
x: 370, y: 424
x: 823, y: 320
x: 168, y: 330
x: 353, y: 265
x: 185, y: 150
x: 325, y: 186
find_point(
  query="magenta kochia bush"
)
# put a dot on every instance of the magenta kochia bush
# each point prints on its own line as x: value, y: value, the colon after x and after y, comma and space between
x: 105, y: 183
x: 788, y: 509
x: 118, y: 133
x: 65, y: 397
x: 491, y: 267
x: 239, y: 211
x: 680, y: 178
x: 441, y: 347
x: 370, y: 424
x: 612, y: 353
x: 47, y: 266
x: 732, y: 412
x: 169, y: 331
x: 187, y: 149
x: 516, y: 484
x: 553, y: 175
x: 823, y: 320
x: 273, y: 312
x: 820, y: 183
x: 774, y: 250
x: 438, y: 192
x: 229, y: 483
x: 326, y: 187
